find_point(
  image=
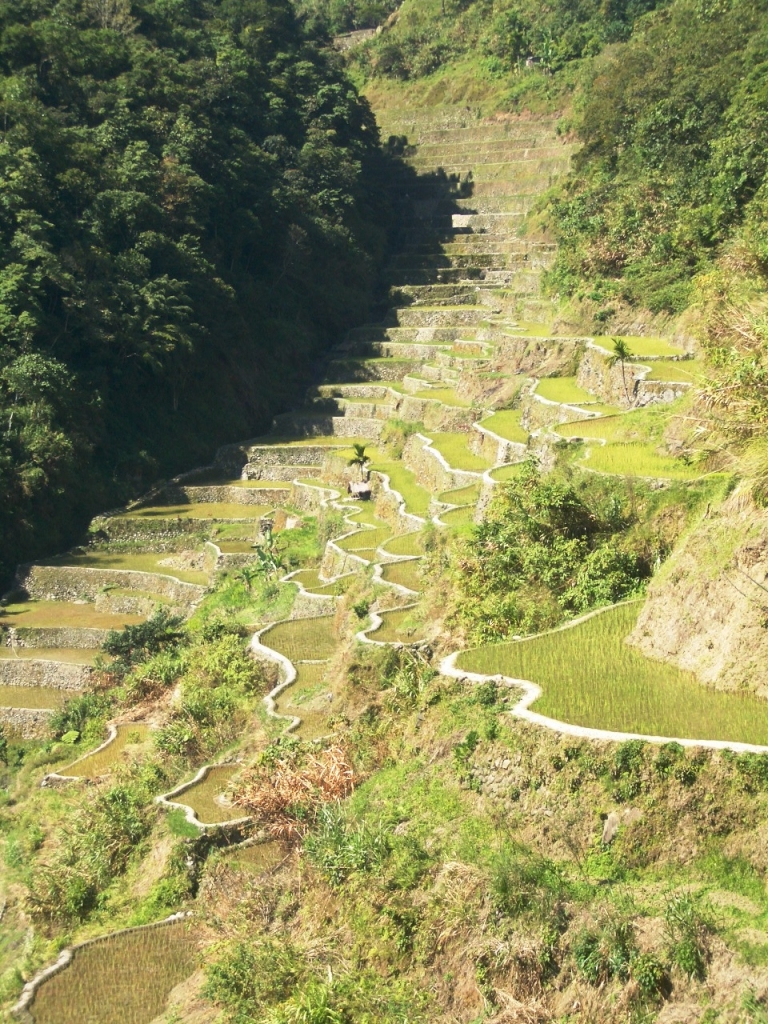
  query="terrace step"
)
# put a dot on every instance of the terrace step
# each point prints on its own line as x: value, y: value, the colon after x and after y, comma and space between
x: 423, y: 335
x: 437, y: 294
x: 426, y: 316
x: 470, y: 261
x: 307, y: 424
x: 489, y: 150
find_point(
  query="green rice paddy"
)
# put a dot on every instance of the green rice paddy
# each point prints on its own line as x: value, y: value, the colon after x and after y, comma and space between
x: 134, y: 562
x: 448, y: 396
x: 406, y: 574
x: 642, y: 346
x: 34, y: 698
x: 365, y: 540
x: 506, y: 424
x: 455, y: 450
x: 405, y: 544
x: 564, y: 390
x: 461, y: 495
x: 205, y: 797
x: 125, y: 979
x: 458, y: 516
x: 92, y: 765
x: 504, y: 473
x: 591, y: 677
x: 641, y: 425
x: 303, y: 639
x: 685, y: 371
x: 398, y: 626
x: 200, y: 510
x: 417, y: 498
x: 51, y: 614
x: 312, y: 583
x: 630, y: 459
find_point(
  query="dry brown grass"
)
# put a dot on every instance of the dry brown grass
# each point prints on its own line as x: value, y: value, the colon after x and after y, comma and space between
x: 283, y: 791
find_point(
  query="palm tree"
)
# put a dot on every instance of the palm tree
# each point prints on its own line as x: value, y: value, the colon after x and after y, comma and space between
x: 621, y: 355
x: 359, y: 458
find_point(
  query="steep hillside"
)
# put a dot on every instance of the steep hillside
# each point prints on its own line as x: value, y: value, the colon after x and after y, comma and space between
x: 192, y: 211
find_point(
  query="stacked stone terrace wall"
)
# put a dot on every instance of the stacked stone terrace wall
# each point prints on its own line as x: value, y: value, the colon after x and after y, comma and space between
x: 429, y: 470
x: 26, y: 723
x: 78, y: 583
x: 73, y: 637
x: 55, y: 675
x: 227, y: 495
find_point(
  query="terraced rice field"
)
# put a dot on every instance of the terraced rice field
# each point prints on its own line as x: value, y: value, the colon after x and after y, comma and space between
x: 630, y: 459
x: 461, y: 495
x: 200, y: 510
x: 302, y: 640
x: 506, y: 424
x: 205, y: 797
x: 406, y: 574
x: 312, y: 583
x: 135, y: 562
x: 504, y: 473
x: 417, y: 498
x: 35, y: 698
x: 448, y: 396
x: 455, y: 450
x: 405, y: 544
x: 45, y: 614
x: 458, y: 516
x: 686, y: 371
x: 129, y: 737
x: 365, y: 540
x: 398, y: 627
x: 591, y: 677
x: 641, y: 425
x: 124, y: 979
x: 564, y: 390
x: 642, y: 346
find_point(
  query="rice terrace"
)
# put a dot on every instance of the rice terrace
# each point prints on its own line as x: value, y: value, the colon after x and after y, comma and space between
x: 384, y: 520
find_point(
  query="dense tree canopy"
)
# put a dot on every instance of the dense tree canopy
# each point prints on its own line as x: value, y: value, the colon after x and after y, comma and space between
x: 675, y: 132
x: 186, y: 218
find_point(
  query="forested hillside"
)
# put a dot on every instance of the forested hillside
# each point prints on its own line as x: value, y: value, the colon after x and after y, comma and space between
x: 189, y: 214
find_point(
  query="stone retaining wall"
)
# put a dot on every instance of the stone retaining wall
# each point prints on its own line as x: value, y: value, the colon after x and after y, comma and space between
x: 542, y: 357
x: 81, y: 639
x: 256, y: 471
x: 26, y: 723
x: 162, y: 534
x: 429, y: 470
x: 370, y: 370
x: 126, y: 604
x: 375, y: 392
x: 607, y: 382
x: 227, y: 495
x: 308, y: 607
x: 494, y: 448
x: 651, y: 392
x: 54, y: 674
x: 436, y: 416
x: 78, y: 583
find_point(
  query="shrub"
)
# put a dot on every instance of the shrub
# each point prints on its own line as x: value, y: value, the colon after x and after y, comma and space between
x: 650, y: 974
x: 135, y: 644
x: 77, y: 712
x: 605, y: 954
x: 339, y: 846
x: 687, y: 929
x: 525, y: 882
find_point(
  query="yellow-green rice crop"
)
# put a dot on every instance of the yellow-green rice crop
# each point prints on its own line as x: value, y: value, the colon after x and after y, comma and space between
x: 406, y: 574
x: 365, y: 540
x: 69, y: 655
x: 124, y: 979
x: 200, y: 510
x: 398, y: 626
x: 403, y: 480
x: 642, y: 346
x: 687, y: 371
x: 591, y: 677
x: 637, y: 460
x: 136, y: 562
x: 506, y: 424
x: 92, y: 765
x: 448, y: 396
x: 503, y: 473
x: 405, y: 544
x: 563, y: 389
x: 303, y: 639
x: 454, y: 449
x: 44, y: 614
x: 461, y: 495
x: 459, y: 516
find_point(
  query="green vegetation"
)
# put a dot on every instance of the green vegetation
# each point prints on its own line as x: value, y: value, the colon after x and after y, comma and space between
x: 405, y: 544
x: 125, y: 979
x: 193, y: 203
x: 642, y: 157
x: 37, y: 697
x: 406, y: 574
x: 548, y: 547
x: 591, y: 677
x: 403, y: 480
x: 398, y: 627
x: 136, y: 562
x: 45, y: 614
x: 305, y: 639
x: 640, y: 346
